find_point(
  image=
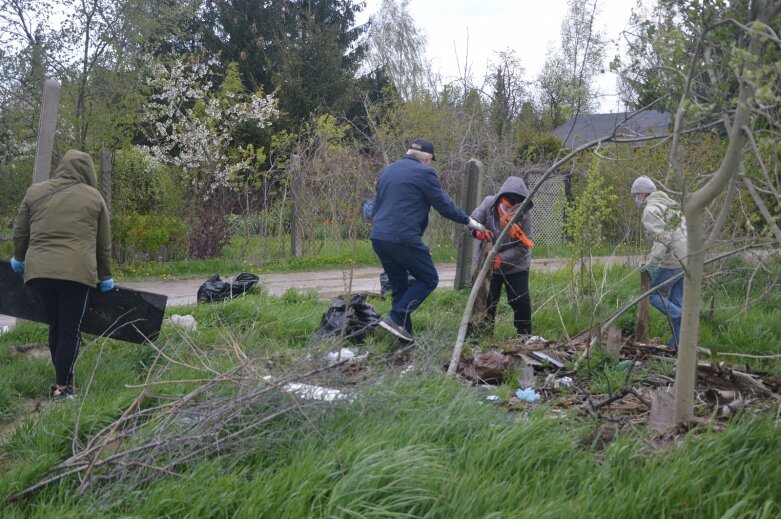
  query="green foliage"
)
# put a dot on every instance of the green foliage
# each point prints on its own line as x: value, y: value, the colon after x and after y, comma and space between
x: 536, y: 148
x: 6, y: 248
x: 149, y: 236
x: 15, y: 177
x: 138, y: 187
x: 590, y: 213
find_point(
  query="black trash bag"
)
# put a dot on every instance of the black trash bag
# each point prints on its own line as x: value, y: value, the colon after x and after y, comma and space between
x: 385, y: 286
x: 361, y: 318
x: 216, y: 289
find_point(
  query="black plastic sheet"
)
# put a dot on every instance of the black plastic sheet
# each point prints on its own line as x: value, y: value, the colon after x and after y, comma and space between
x: 216, y: 289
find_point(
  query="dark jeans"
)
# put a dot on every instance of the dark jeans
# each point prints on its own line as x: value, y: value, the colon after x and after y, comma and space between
x: 65, y: 303
x: 517, y: 287
x: 669, y: 300
x: 399, y: 261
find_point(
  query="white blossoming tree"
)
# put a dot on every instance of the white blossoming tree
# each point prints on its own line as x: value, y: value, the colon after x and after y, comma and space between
x: 191, y: 126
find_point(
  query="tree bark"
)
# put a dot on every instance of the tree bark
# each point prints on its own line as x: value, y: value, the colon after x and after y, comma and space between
x: 694, y: 207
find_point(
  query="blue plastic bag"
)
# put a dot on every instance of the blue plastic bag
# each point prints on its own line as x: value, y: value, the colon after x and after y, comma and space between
x: 368, y: 208
x: 527, y: 395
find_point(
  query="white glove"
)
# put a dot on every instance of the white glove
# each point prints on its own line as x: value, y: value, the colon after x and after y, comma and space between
x: 475, y: 225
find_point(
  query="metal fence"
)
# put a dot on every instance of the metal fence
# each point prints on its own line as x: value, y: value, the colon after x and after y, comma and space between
x: 548, y: 211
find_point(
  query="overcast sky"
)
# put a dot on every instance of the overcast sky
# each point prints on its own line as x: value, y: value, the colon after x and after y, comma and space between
x: 484, y: 27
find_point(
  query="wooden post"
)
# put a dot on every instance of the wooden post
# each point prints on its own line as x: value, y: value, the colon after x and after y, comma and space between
x: 613, y: 346
x: 470, y: 194
x: 296, y: 238
x: 105, y: 177
x: 641, y: 326
x: 47, y: 128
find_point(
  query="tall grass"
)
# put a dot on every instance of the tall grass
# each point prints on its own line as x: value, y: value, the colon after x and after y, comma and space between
x: 412, y: 444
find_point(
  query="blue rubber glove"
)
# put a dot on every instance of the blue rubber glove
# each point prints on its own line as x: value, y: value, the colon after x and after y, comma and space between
x: 106, y: 285
x: 17, y: 266
x: 651, y: 268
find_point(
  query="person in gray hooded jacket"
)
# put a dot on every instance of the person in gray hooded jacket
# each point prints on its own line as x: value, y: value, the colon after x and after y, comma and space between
x: 665, y: 226
x: 513, y: 259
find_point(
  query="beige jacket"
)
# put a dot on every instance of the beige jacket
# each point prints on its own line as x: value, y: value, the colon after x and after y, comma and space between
x: 665, y: 226
x: 62, y: 228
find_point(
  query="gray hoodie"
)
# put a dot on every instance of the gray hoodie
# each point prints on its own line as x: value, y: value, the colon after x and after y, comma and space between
x: 665, y: 226
x: 515, y: 257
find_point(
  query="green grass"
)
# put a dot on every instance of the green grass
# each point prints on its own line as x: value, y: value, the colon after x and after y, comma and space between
x: 414, y: 444
x: 260, y: 255
x: 264, y: 255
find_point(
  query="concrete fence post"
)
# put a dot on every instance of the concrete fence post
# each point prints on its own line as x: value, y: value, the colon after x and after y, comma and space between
x: 47, y: 128
x: 465, y: 245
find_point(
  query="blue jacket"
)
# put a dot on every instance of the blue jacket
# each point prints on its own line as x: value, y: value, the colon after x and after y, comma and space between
x: 406, y: 192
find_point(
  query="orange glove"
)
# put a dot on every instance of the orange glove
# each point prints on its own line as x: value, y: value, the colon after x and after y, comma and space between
x: 504, y: 210
x: 497, y: 262
x: 482, y: 236
x: 519, y: 235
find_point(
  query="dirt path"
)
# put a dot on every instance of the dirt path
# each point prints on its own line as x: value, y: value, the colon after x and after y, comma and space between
x: 327, y: 283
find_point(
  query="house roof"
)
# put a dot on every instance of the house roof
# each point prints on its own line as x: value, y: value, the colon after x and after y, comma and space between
x: 590, y: 127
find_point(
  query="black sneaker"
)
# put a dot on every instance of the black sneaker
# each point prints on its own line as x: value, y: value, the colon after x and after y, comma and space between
x: 63, y: 393
x: 390, y: 325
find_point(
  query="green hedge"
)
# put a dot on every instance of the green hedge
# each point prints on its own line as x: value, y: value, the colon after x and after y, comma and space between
x: 145, y: 237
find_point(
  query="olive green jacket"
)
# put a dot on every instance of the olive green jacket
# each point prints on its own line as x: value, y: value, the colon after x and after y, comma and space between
x: 62, y: 230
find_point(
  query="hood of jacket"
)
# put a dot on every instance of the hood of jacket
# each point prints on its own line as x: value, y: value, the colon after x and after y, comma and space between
x: 77, y: 165
x: 661, y: 198
x: 514, y: 186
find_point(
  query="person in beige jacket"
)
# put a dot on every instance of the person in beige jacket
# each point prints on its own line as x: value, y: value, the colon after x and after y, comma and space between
x: 665, y: 226
x: 62, y: 246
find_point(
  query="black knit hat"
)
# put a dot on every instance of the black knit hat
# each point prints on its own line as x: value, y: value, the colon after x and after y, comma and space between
x: 424, y: 146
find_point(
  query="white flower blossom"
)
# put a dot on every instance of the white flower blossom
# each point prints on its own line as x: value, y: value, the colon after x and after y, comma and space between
x: 198, y: 140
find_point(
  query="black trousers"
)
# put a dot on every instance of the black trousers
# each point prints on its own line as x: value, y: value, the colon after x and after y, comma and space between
x: 65, y: 303
x: 517, y: 287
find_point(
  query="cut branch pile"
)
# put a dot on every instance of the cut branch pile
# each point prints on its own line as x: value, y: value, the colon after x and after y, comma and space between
x: 163, y: 430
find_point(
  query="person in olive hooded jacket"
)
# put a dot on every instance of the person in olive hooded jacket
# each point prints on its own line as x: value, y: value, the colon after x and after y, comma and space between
x: 513, y: 259
x: 62, y: 246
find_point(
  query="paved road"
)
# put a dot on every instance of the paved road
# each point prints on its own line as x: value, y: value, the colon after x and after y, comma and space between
x: 327, y: 283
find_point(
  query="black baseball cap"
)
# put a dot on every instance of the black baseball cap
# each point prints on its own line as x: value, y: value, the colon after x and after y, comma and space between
x: 424, y: 146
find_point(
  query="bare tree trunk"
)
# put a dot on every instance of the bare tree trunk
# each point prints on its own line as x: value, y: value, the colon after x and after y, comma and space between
x: 718, y: 225
x: 685, y: 373
x: 694, y: 207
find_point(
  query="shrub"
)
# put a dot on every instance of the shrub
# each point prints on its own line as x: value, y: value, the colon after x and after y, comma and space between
x: 137, y: 187
x: 148, y: 237
x: 210, y: 233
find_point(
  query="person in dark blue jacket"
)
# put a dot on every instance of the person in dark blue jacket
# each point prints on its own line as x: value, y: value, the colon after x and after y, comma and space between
x: 406, y: 192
